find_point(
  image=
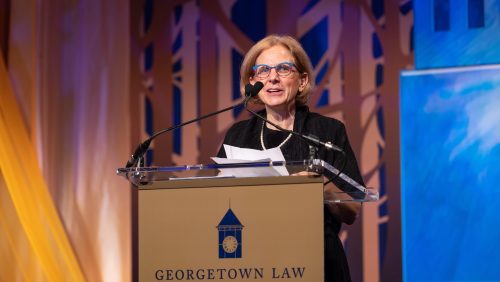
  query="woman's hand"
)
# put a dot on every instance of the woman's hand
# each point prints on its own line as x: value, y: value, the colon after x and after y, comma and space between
x: 345, y: 212
x: 305, y: 173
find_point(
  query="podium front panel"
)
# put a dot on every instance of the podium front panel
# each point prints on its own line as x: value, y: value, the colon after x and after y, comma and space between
x: 236, y: 232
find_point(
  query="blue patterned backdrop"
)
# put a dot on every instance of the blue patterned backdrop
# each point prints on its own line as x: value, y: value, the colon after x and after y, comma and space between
x: 450, y: 33
x: 450, y: 170
x: 450, y: 143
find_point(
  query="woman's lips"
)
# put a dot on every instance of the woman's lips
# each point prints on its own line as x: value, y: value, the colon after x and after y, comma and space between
x: 274, y: 91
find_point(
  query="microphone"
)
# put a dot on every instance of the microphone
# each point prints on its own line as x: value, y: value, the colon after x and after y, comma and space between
x: 143, y: 147
x: 248, y: 90
x: 253, y: 90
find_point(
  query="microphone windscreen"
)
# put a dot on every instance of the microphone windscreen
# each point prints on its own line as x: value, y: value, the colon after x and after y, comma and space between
x: 248, y: 90
x: 257, y: 87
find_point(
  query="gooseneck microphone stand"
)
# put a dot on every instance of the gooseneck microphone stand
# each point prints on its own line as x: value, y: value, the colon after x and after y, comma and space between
x: 139, y: 152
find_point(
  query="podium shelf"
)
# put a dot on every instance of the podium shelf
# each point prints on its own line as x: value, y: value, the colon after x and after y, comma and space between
x: 185, y: 175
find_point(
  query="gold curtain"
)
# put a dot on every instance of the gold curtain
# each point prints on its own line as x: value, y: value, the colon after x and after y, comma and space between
x: 35, y: 245
x: 64, y: 129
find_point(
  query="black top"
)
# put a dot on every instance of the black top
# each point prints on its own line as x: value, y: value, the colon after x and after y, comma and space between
x: 246, y: 134
x: 273, y: 138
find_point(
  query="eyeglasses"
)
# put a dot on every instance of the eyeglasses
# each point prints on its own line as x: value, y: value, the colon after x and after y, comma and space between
x: 282, y: 69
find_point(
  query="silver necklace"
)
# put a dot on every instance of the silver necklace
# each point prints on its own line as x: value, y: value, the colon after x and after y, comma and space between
x: 262, y: 138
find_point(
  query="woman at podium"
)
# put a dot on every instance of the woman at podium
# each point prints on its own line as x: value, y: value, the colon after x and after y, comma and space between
x: 284, y: 68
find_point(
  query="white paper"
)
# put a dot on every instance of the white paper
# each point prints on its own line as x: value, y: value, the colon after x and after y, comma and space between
x: 237, y: 161
x: 244, y: 171
x: 233, y: 152
x: 245, y: 155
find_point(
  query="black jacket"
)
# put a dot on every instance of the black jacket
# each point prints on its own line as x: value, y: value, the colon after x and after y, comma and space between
x: 246, y: 134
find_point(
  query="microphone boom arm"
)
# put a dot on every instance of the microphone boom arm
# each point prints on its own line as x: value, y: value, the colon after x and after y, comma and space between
x: 308, y: 139
x: 143, y: 147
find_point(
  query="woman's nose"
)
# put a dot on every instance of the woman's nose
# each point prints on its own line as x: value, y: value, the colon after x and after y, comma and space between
x: 273, y: 75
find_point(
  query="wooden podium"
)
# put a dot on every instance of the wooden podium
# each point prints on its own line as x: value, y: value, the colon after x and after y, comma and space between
x: 196, y: 223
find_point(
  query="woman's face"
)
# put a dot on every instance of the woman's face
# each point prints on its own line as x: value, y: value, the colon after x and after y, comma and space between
x: 279, y: 91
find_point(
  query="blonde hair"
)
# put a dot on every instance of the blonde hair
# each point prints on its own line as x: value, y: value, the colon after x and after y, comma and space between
x: 300, y: 59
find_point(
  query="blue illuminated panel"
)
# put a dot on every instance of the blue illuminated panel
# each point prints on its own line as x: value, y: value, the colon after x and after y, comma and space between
x: 450, y: 173
x: 456, y: 33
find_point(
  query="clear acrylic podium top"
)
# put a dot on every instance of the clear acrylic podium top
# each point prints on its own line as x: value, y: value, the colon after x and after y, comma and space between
x: 351, y: 190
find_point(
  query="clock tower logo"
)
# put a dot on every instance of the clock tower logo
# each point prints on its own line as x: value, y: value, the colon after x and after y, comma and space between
x: 230, y: 239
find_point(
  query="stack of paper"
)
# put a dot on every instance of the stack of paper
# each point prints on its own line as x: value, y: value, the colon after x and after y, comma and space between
x: 243, y: 155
